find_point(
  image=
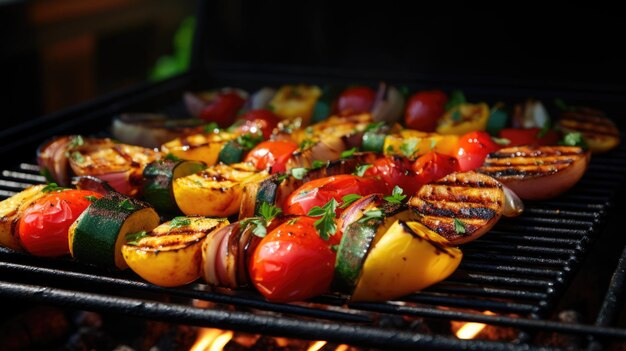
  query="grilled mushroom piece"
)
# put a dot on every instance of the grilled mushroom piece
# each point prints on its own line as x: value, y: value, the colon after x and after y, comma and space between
x: 461, y: 207
x: 537, y: 172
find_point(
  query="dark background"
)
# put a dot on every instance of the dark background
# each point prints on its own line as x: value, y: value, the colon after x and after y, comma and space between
x: 56, y: 54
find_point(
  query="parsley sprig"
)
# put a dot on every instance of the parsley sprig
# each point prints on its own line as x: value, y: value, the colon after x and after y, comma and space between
x: 348, y: 153
x: 249, y: 140
x: 371, y: 214
x: 52, y: 187
x: 396, y: 196
x: 325, y: 226
x: 179, y: 222
x: 133, y: 238
x: 459, y: 227
x: 259, y: 224
x: 349, y: 199
x: 408, y: 147
x: 360, y: 169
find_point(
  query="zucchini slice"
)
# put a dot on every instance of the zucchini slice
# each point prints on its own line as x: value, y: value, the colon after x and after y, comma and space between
x: 98, y: 234
x: 11, y: 211
x: 170, y: 255
x: 158, y: 178
x: 217, y: 191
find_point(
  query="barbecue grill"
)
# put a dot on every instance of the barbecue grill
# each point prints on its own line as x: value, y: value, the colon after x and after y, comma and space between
x: 520, y: 270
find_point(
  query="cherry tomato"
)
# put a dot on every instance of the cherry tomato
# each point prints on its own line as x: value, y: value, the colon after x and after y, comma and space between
x: 258, y: 120
x: 356, y: 100
x: 292, y: 262
x: 319, y: 191
x: 519, y: 137
x: 433, y: 165
x: 272, y: 154
x: 394, y: 170
x: 473, y: 148
x: 424, y: 109
x: 223, y: 109
x: 43, y: 229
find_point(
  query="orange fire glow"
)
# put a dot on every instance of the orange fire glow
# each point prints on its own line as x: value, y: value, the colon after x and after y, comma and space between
x: 211, y: 340
x: 316, y: 346
x: 471, y: 329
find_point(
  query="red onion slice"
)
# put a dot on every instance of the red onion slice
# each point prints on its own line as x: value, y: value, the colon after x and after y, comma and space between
x: 210, y: 249
x: 354, y: 211
x: 388, y: 105
x: 53, y: 161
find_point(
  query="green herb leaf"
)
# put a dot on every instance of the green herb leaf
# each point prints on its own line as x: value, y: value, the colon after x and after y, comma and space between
x: 349, y: 199
x: 77, y: 156
x: 319, y: 164
x: 371, y: 214
x: 544, y: 130
x: 389, y: 149
x: 76, y: 141
x: 292, y: 221
x: 133, y: 238
x: 501, y: 141
x: 459, y: 227
x: 325, y: 226
x: 179, y: 222
x: 348, y: 153
x: 307, y: 143
x: 91, y: 198
x: 52, y: 187
x: 433, y: 143
x: 334, y: 248
x: 374, y: 126
x: 47, y: 174
x: 456, y: 98
x: 408, y: 147
x: 259, y: 226
x: 282, y: 177
x: 211, y: 127
x: 360, y: 169
x: 456, y: 116
x: 574, y: 139
x: 396, y: 196
x: 299, y: 172
x: 269, y: 212
x: 170, y: 156
x: 126, y: 205
x: 249, y: 140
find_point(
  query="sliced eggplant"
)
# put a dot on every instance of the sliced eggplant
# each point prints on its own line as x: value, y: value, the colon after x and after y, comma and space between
x: 537, y: 172
x: 99, y: 233
x: 217, y: 191
x: 11, y: 211
x: 159, y: 177
x: 461, y: 206
x: 170, y: 254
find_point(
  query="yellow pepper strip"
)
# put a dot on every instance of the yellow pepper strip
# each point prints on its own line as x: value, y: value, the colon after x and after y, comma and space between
x: 412, y: 143
x: 203, y: 147
x: 464, y: 118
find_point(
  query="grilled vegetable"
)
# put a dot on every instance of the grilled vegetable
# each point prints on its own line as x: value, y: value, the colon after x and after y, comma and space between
x: 296, y: 101
x: 530, y: 136
x: 120, y: 165
x: 204, y: 147
x: 44, y: 225
x: 355, y: 100
x: 395, y: 171
x: 198, y: 101
x: 255, y: 121
x: 531, y: 114
x: 11, y: 210
x: 424, y: 110
x: 272, y: 155
x: 217, y: 191
x: 150, y: 130
x: 98, y: 234
x: 52, y: 159
x: 170, y: 254
x: 275, y: 189
x: 598, y: 131
x: 472, y: 150
x: 461, y: 206
x: 539, y: 172
x: 293, y: 262
x: 412, y: 144
x: 389, y: 104
x: 406, y: 258
x: 260, y: 99
x: 92, y: 184
x: 159, y: 177
x: 464, y: 118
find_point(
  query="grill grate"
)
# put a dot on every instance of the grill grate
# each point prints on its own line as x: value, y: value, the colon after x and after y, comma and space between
x: 518, y: 271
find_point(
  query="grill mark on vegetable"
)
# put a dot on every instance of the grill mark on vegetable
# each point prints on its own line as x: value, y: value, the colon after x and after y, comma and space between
x: 483, y: 213
x: 468, y: 184
x: 590, y: 128
x: 117, y: 148
x: 438, y: 246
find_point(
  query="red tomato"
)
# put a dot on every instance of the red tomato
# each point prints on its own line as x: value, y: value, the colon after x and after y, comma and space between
x: 43, y: 229
x: 424, y: 109
x: 319, y: 191
x: 293, y: 263
x: 394, y: 170
x: 223, y: 109
x: 356, y: 100
x: 519, y: 137
x: 472, y: 150
x: 259, y: 120
x: 432, y: 166
x: 272, y: 154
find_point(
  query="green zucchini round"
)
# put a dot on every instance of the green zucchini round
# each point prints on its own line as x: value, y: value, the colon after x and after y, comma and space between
x: 373, y: 141
x: 98, y: 234
x: 232, y: 152
x: 158, y: 179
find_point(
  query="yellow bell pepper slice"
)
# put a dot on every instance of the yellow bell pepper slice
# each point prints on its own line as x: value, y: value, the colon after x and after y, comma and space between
x: 296, y: 101
x: 464, y: 118
x: 203, y: 147
x: 413, y: 143
x: 407, y: 258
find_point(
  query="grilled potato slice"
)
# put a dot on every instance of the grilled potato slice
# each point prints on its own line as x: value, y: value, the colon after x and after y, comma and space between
x: 537, y: 172
x: 216, y: 191
x: 11, y: 210
x: 170, y: 254
x: 599, y: 132
x: 461, y: 206
x: 203, y: 147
